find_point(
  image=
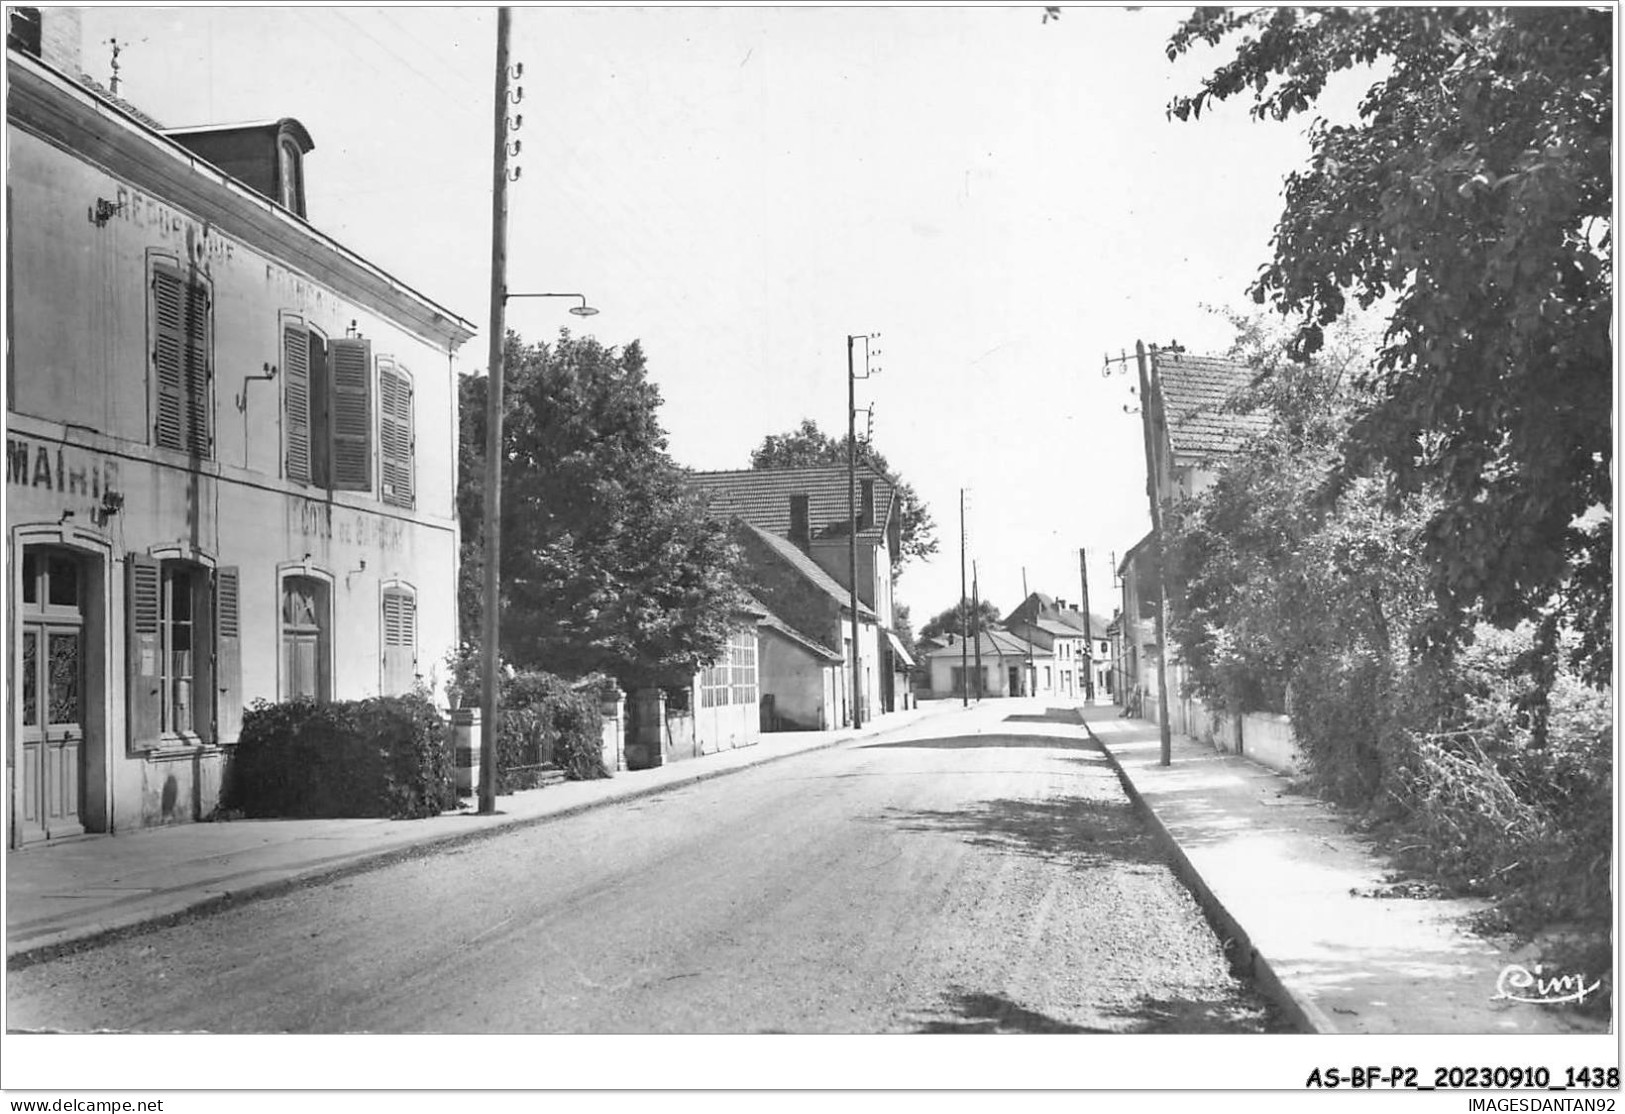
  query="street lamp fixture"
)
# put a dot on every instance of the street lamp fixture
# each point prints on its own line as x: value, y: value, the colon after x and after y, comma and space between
x: 583, y: 310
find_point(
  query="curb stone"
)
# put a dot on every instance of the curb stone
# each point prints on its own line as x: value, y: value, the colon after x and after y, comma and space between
x: 1301, y: 1013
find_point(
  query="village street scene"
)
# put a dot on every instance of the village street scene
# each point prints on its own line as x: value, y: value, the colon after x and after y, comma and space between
x: 645, y: 522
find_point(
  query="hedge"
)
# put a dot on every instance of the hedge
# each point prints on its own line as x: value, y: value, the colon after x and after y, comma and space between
x: 547, y: 722
x: 388, y: 756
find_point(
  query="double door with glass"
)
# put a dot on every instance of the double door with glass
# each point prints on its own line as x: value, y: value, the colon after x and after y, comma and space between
x: 51, y: 678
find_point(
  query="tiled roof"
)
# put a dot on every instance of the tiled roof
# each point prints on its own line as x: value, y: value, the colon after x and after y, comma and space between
x: 111, y: 97
x: 762, y: 498
x: 774, y: 623
x: 1094, y: 627
x: 808, y: 568
x: 995, y: 643
x: 1044, y: 609
x: 1194, y: 392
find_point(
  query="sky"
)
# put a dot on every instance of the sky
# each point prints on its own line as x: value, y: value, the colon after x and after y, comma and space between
x: 1002, y: 199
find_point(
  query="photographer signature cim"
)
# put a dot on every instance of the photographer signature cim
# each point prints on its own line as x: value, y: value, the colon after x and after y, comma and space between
x: 1519, y: 984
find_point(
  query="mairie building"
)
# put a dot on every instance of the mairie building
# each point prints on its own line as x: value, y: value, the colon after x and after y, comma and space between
x: 230, y: 452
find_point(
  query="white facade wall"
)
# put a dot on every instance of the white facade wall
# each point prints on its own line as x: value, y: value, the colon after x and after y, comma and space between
x: 87, y: 482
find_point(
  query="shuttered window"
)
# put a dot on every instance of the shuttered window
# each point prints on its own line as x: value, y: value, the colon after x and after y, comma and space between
x: 143, y: 619
x: 395, y: 438
x: 400, y: 639
x: 182, y: 366
x: 350, y: 413
x: 296, y: 399
x: 228, y: 673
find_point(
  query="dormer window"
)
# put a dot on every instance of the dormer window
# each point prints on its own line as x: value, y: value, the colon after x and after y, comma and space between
x: 268, y: 157
x: 290, y: 175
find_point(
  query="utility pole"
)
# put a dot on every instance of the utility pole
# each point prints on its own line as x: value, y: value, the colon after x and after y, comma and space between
x: 852, y: 378
x: 852, y: 527
x: 1037, y: 614
x: 1150, y: 422
x: 490, y: 704
x: 964, y: 619
x: 1089, y: 626
x: 976, y: 613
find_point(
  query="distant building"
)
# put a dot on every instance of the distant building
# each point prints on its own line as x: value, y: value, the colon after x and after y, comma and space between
x: 1011, y: 666
x: 1078, y: 642
x: 230, y: 444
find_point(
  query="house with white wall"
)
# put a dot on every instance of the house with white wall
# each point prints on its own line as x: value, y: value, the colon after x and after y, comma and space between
x: 1194, y: 431
x: 1010, y: 666
x: 230, y: 451
x: 1078, y: 642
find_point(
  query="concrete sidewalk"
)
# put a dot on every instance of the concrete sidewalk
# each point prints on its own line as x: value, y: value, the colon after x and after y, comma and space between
x: 70, y: 892
x: 1285, y: 879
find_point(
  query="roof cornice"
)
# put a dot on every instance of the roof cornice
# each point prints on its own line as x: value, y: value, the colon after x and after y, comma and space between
x: 45, y: 103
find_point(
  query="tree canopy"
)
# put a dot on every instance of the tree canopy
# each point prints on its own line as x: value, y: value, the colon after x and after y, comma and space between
x: 809, y: 446
x: 952, y: 620
x: 1474, y: 197
x: 608, y: 561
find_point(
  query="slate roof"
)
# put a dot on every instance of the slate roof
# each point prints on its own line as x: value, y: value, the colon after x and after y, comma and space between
x: 995, y: 643
x: 762, y: 498
x: 1194, y: 391
x: 807, y: 567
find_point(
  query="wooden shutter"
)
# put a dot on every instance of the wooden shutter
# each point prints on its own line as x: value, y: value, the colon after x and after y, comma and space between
x: 228, y: 657
x: 400, y: 637
x: 395, y: 441
x: 198, y: 372
x: 143, y: 599
x: 168, y: 347
x: 296, y: 398
x: 350, y: 414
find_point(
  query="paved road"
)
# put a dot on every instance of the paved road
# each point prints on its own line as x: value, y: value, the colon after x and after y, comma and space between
x: 978, y: 872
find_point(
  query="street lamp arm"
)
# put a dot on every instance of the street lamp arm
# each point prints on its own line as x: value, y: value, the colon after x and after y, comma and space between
x: 583, y: 310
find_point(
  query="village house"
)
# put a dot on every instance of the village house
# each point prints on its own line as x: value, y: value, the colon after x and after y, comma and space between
x: 231, y: 448
x: 800, y: 687
x: 1011, y: 666
x: 1193, y: 433
x: 799, y: 547
x: 1077, y: 640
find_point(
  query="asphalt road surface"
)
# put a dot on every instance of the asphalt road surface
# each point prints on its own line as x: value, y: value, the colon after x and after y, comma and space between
x: 977, y: 871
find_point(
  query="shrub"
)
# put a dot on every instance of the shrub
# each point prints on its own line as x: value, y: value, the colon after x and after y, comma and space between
x: 385, y: 756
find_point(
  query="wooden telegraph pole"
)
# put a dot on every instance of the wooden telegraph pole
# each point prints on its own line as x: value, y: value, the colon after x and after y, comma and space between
x: 1089, y: 626
x: 490, y: 703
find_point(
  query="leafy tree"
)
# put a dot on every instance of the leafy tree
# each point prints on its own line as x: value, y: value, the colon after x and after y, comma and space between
x: 1474, y: 197
x: 608, y: 561
x: 809, y: 446
x: 903, y: 627
x: 951, y: 620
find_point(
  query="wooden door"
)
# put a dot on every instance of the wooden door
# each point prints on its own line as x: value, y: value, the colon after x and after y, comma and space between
x: 52, y: 675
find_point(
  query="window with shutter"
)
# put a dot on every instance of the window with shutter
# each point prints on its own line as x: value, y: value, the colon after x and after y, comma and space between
x: 143, y: 598
x: 350, y: 413
x: 400, y: 639
x: 395, y: 438
x: 181, y: 363
x: 296, y: 398
x: 228, y: 671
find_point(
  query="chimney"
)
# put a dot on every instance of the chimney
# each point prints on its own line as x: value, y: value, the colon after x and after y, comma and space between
x: 53, y: 35
x: 866, y: 505
x: 800, y: 530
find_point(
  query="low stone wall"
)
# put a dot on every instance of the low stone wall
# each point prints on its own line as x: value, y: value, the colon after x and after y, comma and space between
x: 1267, y: 739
